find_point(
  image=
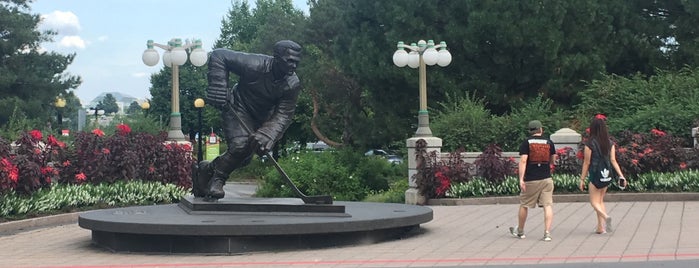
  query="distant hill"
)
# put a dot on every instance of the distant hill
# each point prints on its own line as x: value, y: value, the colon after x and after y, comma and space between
x: 120, y: 97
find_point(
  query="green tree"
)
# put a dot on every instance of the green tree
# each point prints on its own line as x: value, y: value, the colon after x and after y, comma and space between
x: 134, y: 108
x: 30, y: 79
x: 109, y: 104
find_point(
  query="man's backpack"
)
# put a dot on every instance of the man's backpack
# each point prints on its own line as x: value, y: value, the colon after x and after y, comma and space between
x: 601, y: 170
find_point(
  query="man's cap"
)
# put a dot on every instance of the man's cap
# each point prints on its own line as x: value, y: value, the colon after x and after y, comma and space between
x: 534, y: 124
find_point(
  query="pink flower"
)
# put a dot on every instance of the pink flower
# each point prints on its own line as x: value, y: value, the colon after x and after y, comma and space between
x: 648, y: 150
x: 187, y: 147
x: 14, y: 175
x: 80, y: 177
x: 444, y: 183
x: 52, y: 140
x: 36, y: 135
x: 98, y: 132
x: 622, y: 150
x: 601, y: 116
x: 105, y: 151
x: 66, y: 163
x: 46, y: 170
x: 123, y: 129
x: 657, y: 132
x: 683, y: 165
x: 635, y: 162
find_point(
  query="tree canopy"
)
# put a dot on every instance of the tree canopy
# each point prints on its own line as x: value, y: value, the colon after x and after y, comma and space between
x: 30, y: 79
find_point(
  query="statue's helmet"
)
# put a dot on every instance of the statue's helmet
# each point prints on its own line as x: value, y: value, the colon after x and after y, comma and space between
x: 289, y: 49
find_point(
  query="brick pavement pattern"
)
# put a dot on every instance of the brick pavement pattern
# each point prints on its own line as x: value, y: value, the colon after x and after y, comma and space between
x: 458, y: 236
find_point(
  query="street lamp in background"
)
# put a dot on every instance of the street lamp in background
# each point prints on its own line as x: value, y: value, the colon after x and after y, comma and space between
x: 175, y: 55
x: 60, y: 103
x: 418, y: 56
x: 199, y: 104
x: 145, y: 106
x: 97, y: 112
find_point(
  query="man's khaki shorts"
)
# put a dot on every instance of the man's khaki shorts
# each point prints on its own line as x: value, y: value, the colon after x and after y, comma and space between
x: 539, y: 192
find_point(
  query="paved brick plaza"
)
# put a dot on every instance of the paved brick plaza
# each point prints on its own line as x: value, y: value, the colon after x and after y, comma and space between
x: 458, y: 236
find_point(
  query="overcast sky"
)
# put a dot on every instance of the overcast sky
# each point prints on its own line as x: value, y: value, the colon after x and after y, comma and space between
x: 109, y: 37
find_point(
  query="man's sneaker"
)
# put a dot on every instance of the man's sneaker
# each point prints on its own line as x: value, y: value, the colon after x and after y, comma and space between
x: 547, y: 237
x: 514, y: 231
x: 608, y: 224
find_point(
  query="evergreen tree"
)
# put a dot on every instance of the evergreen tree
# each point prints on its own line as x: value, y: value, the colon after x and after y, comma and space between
x: 30, y: 79
x: 109, y: 104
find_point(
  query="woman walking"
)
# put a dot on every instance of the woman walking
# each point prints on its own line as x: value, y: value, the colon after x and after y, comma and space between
x: 599, y: 153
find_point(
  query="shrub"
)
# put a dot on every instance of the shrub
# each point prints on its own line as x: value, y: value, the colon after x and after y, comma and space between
x: 667, y: 101
x: 34, y: 159
x: 657, y: 151
x: 93, y: 158
x: 568, y: 161
x: 314, y: 174
x: 434, y: 176
x: 491, y: 165
x: 70, y: 197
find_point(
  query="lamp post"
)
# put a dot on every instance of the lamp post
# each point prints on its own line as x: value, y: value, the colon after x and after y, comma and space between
x: 419, y: 56
x: 145, y: 106
x: 199, y: 104
x: 175, y: 55
x: 97, y: 112
x: 60, y: 103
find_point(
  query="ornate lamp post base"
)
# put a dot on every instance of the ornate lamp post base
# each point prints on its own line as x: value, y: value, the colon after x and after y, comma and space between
x: 175, y: 130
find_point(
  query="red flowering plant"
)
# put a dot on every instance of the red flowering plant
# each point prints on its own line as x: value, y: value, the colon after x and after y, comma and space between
x: 657, y: 150
x: 568, y: 161
x: 491, y: 166
x: 434, y: 177
x: 34, y: 159
x: 126, y: 155
x: 93, y: 157
x: 9, y: 173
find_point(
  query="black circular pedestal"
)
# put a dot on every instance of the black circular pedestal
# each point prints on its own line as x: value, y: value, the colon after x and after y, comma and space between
x: 240, y: 225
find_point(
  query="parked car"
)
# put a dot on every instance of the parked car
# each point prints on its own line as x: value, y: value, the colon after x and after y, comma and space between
x: 391, y: 158
x: 378, y: 152
x: 394, y: 159
x: 318, y: 146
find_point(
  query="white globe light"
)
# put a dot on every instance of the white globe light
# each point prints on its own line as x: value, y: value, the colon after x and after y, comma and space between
x: 167, y: 60
x: 150, y: 57
x: 430, y: 56
x: 178, y: 56
x: 413, y: 59
x: 444, y: 58
x: 400, y: 58
x: 198, y: 57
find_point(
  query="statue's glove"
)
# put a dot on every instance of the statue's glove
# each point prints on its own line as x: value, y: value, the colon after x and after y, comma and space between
x: 217, y: 97
x: 261, y: 143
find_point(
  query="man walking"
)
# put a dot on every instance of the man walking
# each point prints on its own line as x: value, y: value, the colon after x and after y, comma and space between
x: 536, y: 185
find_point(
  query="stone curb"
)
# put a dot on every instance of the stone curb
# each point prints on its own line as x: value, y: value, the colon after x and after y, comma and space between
x: 13, y: 227
x: 569, y: 198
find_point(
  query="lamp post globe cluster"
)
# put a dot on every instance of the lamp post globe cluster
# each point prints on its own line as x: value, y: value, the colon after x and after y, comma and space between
x: 418, y: 56
x: 175, y: 55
